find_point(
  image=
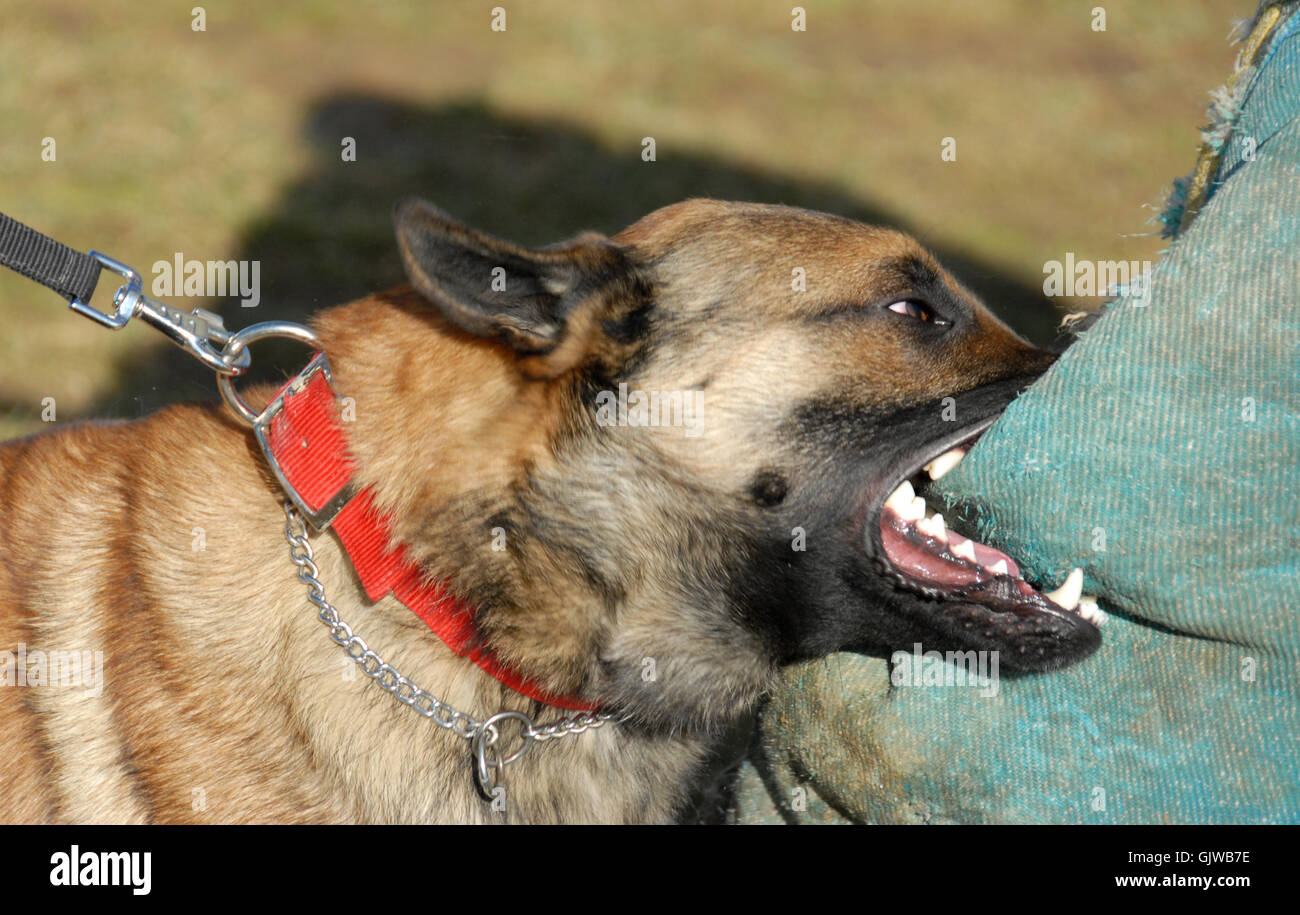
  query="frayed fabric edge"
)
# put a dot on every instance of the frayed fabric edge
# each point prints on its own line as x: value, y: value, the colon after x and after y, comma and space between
x: 1188, y: 194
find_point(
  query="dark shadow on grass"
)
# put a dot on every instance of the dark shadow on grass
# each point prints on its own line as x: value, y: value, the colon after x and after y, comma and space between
x: 329, y: 238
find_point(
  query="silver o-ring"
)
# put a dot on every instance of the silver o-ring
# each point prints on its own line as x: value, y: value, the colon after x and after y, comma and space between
x: 239, y: 341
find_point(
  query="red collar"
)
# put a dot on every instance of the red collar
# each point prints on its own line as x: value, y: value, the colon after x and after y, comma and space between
x: 307, y: 450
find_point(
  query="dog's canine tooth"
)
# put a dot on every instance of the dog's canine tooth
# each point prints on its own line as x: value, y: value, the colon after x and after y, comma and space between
x: 933, y: 527
x: 999, y: 567
x: 1068, y: 594
x: 966, y: 550
x: 944, y: 462
x: 1089, y: 610
x: 901, y: 498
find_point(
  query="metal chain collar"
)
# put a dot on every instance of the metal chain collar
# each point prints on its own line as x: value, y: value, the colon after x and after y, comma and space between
x: 199, y: 333
x: 489, y: 759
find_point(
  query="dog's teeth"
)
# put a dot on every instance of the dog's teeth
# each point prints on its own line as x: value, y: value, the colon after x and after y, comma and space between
x: 901, y: 498
x: 915, y: 511
x: 999, y: 567
x: 933, y: 527
x: 965, y: 550
x: 1089, y: 610
x: 944, y: 462
x: 1067, y: 595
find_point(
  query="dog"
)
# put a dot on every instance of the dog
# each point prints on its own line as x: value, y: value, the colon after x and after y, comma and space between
x: 659, y: 568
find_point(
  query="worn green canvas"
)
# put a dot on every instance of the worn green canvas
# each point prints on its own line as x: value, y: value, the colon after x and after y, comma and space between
x: 1161, y: 454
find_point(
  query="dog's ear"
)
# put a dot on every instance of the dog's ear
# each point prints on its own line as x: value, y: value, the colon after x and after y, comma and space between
x: 544, y: 303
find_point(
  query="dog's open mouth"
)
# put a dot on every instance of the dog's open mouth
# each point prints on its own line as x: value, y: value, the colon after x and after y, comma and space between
x: 978, y: 590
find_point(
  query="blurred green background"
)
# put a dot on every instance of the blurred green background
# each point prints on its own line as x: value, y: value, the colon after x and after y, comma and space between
x: 226, y: 143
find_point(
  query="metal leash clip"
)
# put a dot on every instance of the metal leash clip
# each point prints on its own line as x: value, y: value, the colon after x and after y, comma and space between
x: 198, y: 332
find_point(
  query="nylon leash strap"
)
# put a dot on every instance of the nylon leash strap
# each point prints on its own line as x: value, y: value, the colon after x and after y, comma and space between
x: 53, y: 264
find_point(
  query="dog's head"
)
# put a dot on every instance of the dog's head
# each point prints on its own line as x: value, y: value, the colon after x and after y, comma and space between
x: 745, y: 400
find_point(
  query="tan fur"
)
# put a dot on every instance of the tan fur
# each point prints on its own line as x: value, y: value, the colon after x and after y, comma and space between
x: 224, y: 699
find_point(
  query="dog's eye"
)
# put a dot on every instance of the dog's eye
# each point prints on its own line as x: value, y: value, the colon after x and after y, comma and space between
x: 914, y: 309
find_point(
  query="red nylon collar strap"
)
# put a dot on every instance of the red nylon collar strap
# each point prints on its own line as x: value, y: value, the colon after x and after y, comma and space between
x: 302, y: 439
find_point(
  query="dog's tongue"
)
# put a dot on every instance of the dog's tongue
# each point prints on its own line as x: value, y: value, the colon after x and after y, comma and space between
x: 919, y: 556
x: 985, y: 556
x: 922, y: 549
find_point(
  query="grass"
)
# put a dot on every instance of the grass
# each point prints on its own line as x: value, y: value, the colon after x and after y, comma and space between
x: 225, y: 143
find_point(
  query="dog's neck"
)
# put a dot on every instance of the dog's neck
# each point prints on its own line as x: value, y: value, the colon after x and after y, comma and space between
x: 460, y: 448
x: 444, y: 431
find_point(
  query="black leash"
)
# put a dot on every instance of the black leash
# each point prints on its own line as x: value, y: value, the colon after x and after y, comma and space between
x: 73, y: 275
x: 200, y: 333
x: 53, y: 264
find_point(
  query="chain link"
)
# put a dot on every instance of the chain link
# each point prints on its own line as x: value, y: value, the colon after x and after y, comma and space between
x: 402, y: 689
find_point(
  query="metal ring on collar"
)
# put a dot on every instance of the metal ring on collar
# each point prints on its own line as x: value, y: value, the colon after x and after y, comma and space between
x: 487, y: 736
x: 239, y: 341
